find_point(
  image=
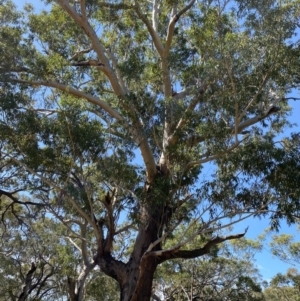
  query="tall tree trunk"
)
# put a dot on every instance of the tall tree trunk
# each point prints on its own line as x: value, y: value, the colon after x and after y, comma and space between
x: 136, y: 276
x: 140, y: 269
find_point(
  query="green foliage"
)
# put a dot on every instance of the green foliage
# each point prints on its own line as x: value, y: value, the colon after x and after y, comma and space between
x: 86, y: 86
x: 283, y: 287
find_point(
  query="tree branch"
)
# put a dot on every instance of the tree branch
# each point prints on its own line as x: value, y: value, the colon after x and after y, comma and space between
x: 97, y: 46
x: 108, y: 203
x: 154, y: 14
x: 211, y: 158
x: 117, y: 69
x: 82, y: 8
x: 125, y: 228
x: 185, y: 9
x: 170, y: 31
x: 73, y: 92
x: 174, y: 137
x: 115, y: 6
x: 188, y: 254
x: 28, y: 283
x: 76, y: 54
x: 242, y: 126
x: 15, y: 200
x: 155, y: 38
x: 70, y: 199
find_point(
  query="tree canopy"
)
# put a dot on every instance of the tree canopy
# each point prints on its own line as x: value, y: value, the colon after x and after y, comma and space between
x: 111, y: 113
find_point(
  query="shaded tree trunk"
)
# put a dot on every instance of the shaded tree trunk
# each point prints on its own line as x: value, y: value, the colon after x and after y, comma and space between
x: 138, y: 285
x: 136, y: 276
x: 140, y: 269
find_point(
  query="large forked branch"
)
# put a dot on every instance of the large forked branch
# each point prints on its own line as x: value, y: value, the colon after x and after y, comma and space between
x: 170, y: 33
x: 163, y: 52
x: 155, y: 38
x: 140, y: 137
x: 175, y: 18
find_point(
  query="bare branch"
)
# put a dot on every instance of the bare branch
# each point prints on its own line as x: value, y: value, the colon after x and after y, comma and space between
x: 211, y: 158
x: 155, y: 12
x: 89, y: 63
x: 74, y: 244
x: 242, y: 126
x: 153, y: 33
x: 271, y: 110
x: 118, y: 72
x: 185, y: 9
x: 126, y: 228
x: 16, y: 200
x: 115, y: 6
x: 170, y: 32
x: 174, y: 137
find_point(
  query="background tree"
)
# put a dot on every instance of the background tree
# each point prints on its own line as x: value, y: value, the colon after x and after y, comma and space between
x: 284, y: 286
x: 85, y: 85
x: 286, y: 248
x: 40, y: 259
x: 222, y: 275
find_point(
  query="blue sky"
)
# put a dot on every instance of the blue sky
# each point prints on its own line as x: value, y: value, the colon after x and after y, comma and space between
x: 267, y: 264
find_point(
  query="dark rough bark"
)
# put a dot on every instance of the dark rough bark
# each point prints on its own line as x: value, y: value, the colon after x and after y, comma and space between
x: 136, y: 276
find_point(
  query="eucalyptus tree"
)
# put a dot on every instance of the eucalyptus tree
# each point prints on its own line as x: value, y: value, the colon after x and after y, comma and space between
x: 227, y: 273
x: 284, y: 286
x: 26, y: 263
x: 111, y: 110
x: 39, y: 260
x: 286, y: 248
